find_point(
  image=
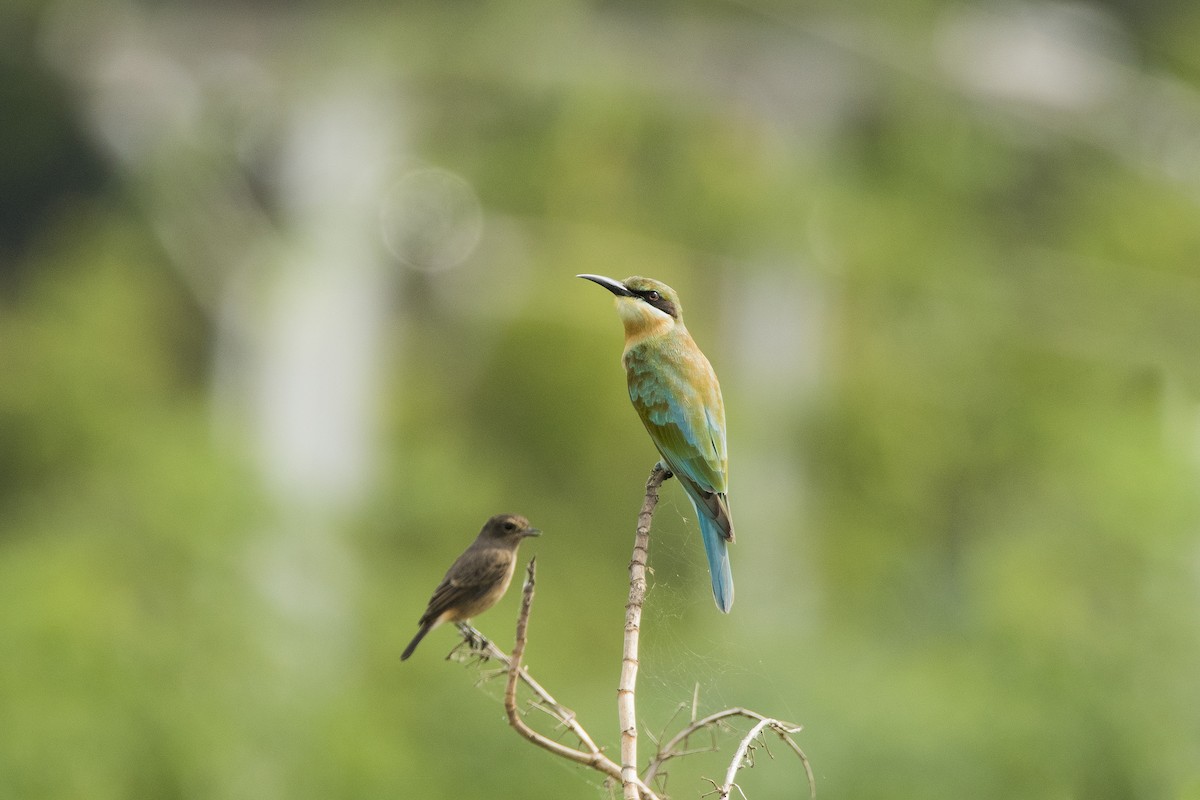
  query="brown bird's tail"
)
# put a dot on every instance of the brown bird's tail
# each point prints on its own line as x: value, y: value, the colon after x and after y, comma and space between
x: 408, y: 651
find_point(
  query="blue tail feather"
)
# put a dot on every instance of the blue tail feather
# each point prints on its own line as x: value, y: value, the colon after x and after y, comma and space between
x: 717, y: 551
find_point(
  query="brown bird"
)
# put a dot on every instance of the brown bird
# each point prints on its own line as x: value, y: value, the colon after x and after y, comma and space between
x: 478, y: 578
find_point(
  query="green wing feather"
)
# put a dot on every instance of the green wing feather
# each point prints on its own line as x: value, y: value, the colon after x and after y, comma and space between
x: 677, y: 397
x: 675, y: 392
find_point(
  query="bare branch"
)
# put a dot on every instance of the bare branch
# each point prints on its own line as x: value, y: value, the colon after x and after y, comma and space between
x: 677, y: 745
x: 784, y: 731
x: 593, y: 757
x: 627, y: 688
x: 545, y: 701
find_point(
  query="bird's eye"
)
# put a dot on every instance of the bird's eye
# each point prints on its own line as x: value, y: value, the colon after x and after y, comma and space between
x: 510, y: 526
x: 652, y: 296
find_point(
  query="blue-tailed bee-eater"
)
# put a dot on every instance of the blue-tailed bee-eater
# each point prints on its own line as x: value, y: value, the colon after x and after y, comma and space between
x: 675, y: 391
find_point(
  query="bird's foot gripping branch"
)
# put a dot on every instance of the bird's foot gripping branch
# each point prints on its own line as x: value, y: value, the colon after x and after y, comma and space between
x: 649, y: 783
x: 474, y: 640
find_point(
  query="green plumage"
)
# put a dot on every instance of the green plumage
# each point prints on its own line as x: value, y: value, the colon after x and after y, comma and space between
x: 675, y: 392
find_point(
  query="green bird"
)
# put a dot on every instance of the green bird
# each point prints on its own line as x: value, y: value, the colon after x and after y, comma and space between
x: 675, y: 392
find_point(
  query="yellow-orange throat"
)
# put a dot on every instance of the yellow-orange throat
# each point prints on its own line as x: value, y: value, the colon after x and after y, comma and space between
x: 641, y: 320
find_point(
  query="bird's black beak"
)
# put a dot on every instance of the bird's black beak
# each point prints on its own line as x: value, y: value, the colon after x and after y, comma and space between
x: 616, y: 287
x: 530, y: 532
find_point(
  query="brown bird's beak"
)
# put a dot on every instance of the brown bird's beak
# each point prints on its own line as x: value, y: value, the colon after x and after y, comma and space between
x: 616, y: 287
x: 530, y: 532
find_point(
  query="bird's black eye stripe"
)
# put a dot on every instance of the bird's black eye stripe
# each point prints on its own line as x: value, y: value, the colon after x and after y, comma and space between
x: 655, y: 298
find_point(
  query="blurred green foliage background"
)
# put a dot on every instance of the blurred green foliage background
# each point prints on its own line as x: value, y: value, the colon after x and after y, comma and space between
x: 287, y: 310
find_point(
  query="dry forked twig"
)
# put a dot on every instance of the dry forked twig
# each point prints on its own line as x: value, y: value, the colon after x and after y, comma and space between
x: 593, y: 757
x: 676, y: 746
x: 566, y: 718
x: 784, y: 730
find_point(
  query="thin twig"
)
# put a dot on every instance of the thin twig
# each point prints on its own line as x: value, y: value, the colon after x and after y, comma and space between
x: 546, y: 702
x: 676, y: 746
x: 784, y: 731
x: 593, y: 758
x: 739, y: 756
x: 626, y: 689
x: 671, y: 749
